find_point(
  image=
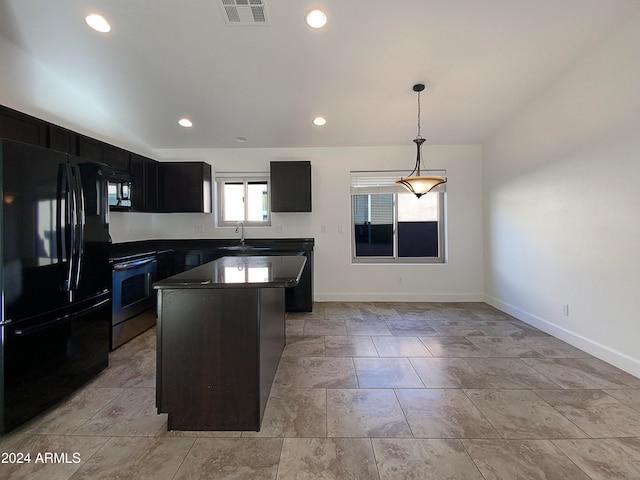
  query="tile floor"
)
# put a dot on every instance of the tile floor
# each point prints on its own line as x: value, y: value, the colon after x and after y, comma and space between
x: 365, y: 391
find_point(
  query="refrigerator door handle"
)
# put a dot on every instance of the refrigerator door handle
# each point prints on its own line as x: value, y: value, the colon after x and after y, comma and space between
x: 64, y: 318
x: 65, y: 234
x: 78, y: 218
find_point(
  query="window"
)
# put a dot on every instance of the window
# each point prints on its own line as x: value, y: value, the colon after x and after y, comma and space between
x: 243, y: 198
x: 391, y: 225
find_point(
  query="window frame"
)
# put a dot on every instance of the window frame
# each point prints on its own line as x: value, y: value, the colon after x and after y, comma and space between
x: 245, y: 179
x: 383, y: 182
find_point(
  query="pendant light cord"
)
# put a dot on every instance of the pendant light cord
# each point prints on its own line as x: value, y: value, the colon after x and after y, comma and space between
x: 419, y: 136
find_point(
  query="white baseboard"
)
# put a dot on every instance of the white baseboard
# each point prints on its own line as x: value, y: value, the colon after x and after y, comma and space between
x: 622, y: 361
x: 396, y: 297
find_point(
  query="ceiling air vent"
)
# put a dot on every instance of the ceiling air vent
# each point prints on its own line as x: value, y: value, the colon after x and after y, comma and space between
x: 244, y: 12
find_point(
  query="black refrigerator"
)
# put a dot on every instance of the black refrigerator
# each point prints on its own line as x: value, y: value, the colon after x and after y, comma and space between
x: 55, y: 278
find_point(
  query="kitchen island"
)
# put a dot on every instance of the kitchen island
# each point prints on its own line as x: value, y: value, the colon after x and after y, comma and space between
x: 221, y: 332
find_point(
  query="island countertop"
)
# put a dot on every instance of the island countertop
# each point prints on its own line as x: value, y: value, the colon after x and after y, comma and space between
x: 240, y: 271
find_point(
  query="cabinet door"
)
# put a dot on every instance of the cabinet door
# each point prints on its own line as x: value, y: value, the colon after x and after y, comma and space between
x: 23, y: 128
x: 136, y: 166
x: 144, y: 177
x: 90, y: 149
x: 116, y: 157
x: 63, y: 140
x: 102, y: 152
x: 291, y: 186
x: 151, y: 193
x: 185, y: 186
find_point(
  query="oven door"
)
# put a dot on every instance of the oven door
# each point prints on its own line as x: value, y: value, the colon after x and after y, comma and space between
x: 132, y: 288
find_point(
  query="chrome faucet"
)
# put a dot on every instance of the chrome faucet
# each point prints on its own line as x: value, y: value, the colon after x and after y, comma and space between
x: 240, y: 226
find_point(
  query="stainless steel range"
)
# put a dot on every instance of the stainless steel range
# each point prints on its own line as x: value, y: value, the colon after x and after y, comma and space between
x: 133, y: 298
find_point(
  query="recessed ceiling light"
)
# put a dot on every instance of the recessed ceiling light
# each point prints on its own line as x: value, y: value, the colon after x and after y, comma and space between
x: 185, y: 122
x: 316, y: 19
x: 319, y: 121
x: 98, y: 23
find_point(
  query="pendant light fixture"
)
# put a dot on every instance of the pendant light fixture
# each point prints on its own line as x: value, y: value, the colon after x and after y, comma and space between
x: 416, y: 183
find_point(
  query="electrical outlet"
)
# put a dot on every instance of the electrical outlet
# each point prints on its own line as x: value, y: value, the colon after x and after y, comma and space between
x: 399, y: 280
x: 565, y: 309
x: 199, y: 228
x: 279, y: 229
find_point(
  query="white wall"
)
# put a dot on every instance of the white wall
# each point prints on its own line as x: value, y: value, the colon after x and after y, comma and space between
x: 561, y: 205
x: 29, y: 87
x: 335, y: 277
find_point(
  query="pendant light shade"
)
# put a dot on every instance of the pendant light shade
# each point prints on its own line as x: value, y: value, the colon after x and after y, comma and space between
x: 416, y: 183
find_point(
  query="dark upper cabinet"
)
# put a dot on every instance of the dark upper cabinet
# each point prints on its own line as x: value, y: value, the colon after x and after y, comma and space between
x: 62, y: 140
x: 22, y: 127
x: 103, y: 152
x: 185, y: 187
x: 144, y: 179
x: 291, y: 186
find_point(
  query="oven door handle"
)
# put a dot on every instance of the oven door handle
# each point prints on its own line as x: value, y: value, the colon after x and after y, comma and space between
x: 133, y: 264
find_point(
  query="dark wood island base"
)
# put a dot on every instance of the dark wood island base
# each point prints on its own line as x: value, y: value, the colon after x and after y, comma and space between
x: 220, y: 341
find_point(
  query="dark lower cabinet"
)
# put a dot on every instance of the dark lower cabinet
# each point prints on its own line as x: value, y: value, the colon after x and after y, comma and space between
x: 218, y: 351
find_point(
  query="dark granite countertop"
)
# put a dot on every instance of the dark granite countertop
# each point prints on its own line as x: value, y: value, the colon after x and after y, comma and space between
x: 240, y: 271
x: 127, y: 249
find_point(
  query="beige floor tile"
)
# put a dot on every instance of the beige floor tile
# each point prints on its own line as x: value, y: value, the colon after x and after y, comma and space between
x: 410, y: 326
x: 595, y: 412
x: 581, y: 373
x: 231, y: 458
x: 458, y: 328
x: 357, y: 326
x: 499, y: 328
x: 551, y: 347
x: 402, y: 459
x: 386, y: 373
x: 446, y: 373
x: 327, y: 459
x: 72, y: 453
x: 496, y: 372
x: 522, y: 459
x: 503, y: 347
x: 400, y: 347
x: 365, y: 413
x: 455, y: 346
x: 316, y: 372
x: 522, y: 414
x: 629, y: 396
x: 139, y: 458
x: 294, y: 412
x: 74, y: 412
x: 443, y: 413
x: 304, y: 346
x: 132, y: 413
x: 325, y: 327
x: 349, y: 346
x: 605, y: 459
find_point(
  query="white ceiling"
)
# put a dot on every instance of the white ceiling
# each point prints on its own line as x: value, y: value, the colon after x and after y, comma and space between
x: 482, y: 60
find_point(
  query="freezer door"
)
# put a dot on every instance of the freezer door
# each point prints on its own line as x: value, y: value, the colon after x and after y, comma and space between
x: 46, y: 360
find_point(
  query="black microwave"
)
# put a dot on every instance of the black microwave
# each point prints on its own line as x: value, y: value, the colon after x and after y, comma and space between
x: 119, y: 189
